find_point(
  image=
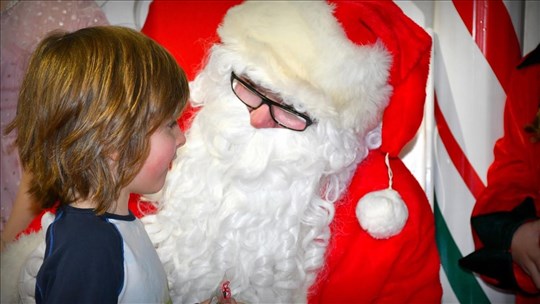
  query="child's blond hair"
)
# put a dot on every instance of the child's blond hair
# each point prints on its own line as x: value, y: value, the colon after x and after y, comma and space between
x: 87, y: 106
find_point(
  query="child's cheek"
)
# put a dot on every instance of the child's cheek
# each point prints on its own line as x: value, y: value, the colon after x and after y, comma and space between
x: 161, y: 164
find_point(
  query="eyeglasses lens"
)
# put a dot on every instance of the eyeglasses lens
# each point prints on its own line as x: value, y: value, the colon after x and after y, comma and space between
x: 279, y: 113
x: 246, y: 95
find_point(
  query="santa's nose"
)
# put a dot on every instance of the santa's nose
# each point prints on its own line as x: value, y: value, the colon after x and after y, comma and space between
x: 261, y: 118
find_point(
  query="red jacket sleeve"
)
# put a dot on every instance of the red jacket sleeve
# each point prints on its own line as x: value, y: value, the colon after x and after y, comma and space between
x: 514, y: 174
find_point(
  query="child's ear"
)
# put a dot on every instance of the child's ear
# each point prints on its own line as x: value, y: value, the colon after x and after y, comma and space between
x: 112, y: 161
x: 114, y: 157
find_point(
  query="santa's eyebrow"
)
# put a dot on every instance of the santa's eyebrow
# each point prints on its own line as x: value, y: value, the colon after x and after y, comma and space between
x: 270, y: 94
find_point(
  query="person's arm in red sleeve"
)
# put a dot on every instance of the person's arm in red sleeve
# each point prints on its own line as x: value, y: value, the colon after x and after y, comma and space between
x: 505, y: 219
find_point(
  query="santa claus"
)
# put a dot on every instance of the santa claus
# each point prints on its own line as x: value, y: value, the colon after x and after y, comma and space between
x: 265, y: 194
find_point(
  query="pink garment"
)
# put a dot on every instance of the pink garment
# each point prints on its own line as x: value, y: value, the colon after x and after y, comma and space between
x: 23, y: 25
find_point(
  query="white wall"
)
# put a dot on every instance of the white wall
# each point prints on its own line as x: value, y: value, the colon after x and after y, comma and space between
x: 130, y: 13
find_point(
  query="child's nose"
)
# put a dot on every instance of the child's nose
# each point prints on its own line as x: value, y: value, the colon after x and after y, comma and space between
x: 180, y: 138
x: 261, y: 118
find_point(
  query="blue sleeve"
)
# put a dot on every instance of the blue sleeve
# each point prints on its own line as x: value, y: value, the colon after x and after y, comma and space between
x: 83, y: 264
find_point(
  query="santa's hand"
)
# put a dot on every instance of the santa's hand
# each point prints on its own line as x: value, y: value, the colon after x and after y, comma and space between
x: 214, y: 300
x: 526, y: 249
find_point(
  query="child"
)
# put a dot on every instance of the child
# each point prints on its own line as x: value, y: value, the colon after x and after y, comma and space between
x: 96, y: 121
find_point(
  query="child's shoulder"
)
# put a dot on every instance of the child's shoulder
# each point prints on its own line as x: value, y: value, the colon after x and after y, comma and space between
x: 82, y: 230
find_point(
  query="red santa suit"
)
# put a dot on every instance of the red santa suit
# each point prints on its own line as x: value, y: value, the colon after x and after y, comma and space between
x: 403, y: 268
x: 512, y: 195
x: 371, y: 261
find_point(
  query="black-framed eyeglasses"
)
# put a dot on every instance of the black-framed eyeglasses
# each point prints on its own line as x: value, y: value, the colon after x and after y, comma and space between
x: 284, y: 115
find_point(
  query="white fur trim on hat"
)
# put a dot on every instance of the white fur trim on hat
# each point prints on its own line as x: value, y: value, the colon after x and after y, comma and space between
x: 301, y: 50
x: 382, y: 213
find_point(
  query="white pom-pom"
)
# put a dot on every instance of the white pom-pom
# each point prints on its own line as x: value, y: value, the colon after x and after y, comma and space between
x: 382, y: 213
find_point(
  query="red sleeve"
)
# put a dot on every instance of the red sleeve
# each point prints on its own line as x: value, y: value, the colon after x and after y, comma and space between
x: 361, y: 269
x: 515, y: 172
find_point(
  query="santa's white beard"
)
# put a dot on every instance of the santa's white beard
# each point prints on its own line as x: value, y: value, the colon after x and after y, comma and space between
x: 249, y: 205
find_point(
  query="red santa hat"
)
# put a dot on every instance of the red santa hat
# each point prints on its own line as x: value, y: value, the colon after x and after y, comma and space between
x: 382, y: 212
x: 299, y: 49
x: 351, y: 57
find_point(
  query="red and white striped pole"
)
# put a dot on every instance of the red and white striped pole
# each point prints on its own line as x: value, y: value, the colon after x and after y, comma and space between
x: 476, y: 47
